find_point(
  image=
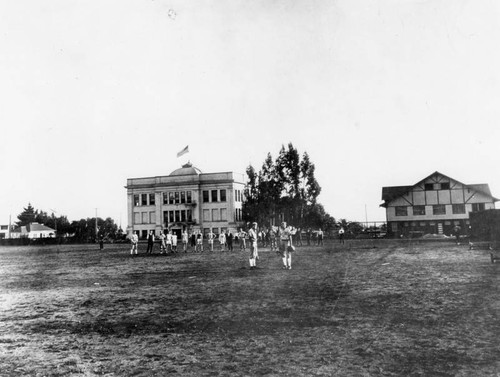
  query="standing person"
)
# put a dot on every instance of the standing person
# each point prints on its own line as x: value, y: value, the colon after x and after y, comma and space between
x: 184, y: 240
x: 174, y: 243
x: 193, y: 240
x: 163, y: 245
x: 341, y: 235
x: 222, y: 241
x: 101, y: 243
x: 308, y: 236
x: 199, y: 242
x: 253, y: 239
x: 229, y: 239
x: 151, y: 241
x: 242, y: 239
x: 273, y: 235
x: 299, y: 237
x: 285, y: 245
x: 457, y: 230
x: 169, y: 240
x: 320, y: 237
x: 210, y: 237
x: 135, y: 241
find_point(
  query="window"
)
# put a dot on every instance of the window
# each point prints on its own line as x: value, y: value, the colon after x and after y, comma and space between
x: 177, y: 199
x: 177, y: 216
x: 223, y: 214
x: 165, y: 198
x: 401, y: 211
x: 137, y: 218
x: 170, y: 198
x: 429, y: 186
x: 144, y: 234
x: 206, y: 231
x: 189, y: 215
x: 439, y: 209
x: 165, y: 218
x: 222, y: 195
x: 136, y: 200
x: 188, y: 197
x: 477, y: 207
x: 205, y: 196
x: 214, y: 195
x: 151, y: 199
x: 171, y: 216
x: 206, y: 215
x: 458, y: 209
x: 183, y: 197
x: 418, y: 210
x: 145, y: 218
x: 183, y: 215
x: 445, y: 186
x: 152, y: 217
x: 215, y: 215
x: 144, y: 199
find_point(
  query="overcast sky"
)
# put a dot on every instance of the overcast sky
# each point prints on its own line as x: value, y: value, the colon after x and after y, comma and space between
x: 379, y: 93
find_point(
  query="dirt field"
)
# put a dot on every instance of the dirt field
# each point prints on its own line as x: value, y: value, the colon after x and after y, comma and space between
x: 368, y: 308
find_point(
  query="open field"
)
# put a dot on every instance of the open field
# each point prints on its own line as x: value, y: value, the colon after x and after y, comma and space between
x: 367, y: 308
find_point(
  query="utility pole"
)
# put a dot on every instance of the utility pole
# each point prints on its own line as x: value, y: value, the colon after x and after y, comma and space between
x: 366, y: 217
x: 55, y: 220
x: 96, y: 228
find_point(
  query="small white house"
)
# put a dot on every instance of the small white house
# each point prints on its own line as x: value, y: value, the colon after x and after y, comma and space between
x: 33, y: 230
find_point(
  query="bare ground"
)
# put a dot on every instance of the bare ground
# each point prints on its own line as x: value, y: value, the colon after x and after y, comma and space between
x: 367, y: 308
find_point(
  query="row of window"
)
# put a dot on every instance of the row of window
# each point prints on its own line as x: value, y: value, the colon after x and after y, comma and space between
x: 172, y: 197
x: 438, y: 209
x: 170, y: 217
x: 437, y: 186
x: 214, y: 196
x: 215, y: 214
x: 144, y: 217
x: 238, y: 215
x: 238, y: 197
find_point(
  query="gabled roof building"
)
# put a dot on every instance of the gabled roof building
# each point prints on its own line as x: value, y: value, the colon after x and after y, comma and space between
x: 434, y: 205
x: 33, y: 230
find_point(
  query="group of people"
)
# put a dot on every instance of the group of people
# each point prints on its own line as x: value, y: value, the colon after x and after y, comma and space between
x: 279, y: 238
x: 282, y: 235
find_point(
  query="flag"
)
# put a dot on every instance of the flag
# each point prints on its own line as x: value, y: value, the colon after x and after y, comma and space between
x: 184, y: 151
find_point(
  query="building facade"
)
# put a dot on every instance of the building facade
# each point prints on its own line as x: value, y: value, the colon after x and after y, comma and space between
x: 33, y: 231
x: 435, y: 205
x: 185, y: 199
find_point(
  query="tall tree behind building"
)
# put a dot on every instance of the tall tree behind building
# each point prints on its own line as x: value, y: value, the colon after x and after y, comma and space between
x: 284, y: 189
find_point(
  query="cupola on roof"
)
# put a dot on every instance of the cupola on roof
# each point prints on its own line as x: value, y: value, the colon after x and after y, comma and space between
x: 187, y: 169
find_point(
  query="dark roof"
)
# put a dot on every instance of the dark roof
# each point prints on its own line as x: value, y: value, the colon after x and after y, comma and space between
x: 39, y: 227
x: 482, y: 187
x: 390, y: 193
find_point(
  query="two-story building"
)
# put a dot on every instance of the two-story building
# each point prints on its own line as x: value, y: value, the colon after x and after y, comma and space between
x: 434, y: 205
x: 185, y: 199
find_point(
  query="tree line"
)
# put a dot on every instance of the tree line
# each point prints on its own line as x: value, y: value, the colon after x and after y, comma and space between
x: 83, y: 230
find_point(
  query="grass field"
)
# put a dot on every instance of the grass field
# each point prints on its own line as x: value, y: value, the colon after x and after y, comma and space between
x: 367, y: 308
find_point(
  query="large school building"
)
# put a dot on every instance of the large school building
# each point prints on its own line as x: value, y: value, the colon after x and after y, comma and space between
x: 185, y: 199
x: 434, y: 205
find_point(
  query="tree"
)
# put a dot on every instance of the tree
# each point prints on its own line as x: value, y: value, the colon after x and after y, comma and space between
x: 285, y: 188
x: 27, y: 216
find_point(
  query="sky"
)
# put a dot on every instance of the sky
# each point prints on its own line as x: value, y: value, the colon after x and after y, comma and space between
x: 378, y: 93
